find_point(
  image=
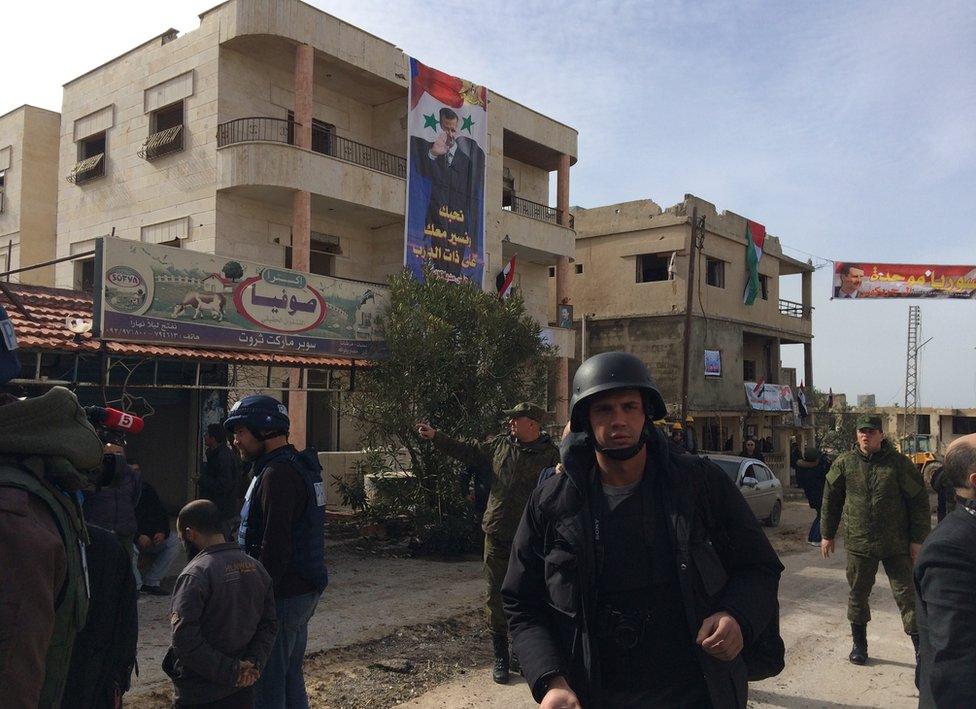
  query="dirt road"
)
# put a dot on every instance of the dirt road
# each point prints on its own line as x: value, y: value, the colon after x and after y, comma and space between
x: 407, y: 632
x: 812, y: 596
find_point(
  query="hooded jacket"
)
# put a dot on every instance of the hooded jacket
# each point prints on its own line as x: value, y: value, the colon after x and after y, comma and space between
x: 724, y: 561
x: 44, y: 444
x: 515, y: 468
x: 882, y: 500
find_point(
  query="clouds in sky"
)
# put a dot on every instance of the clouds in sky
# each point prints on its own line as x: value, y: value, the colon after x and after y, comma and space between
x: 848, y: 129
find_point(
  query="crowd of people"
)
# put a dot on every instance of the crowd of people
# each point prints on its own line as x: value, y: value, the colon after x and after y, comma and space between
x: 621, y: 568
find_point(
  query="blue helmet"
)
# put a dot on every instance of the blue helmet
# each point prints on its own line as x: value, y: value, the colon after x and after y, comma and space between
x: 259, y: 413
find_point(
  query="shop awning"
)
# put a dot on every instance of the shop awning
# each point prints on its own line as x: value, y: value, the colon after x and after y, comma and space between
x: 48, y: 330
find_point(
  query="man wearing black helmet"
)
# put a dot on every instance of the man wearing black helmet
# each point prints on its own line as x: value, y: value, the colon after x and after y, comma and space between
x: 639, y: 577
x: 283, y: 527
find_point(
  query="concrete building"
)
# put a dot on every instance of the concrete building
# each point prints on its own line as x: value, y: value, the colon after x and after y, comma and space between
x: 941, y: 425
x: 28, y: 192
x: 277, y: 133
x: 630, y: 293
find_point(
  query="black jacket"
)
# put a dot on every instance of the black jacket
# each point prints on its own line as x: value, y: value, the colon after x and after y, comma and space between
x: 945, y: 579
x: 724, y: 560
x: 219, y: 481
x: 105, y: 650
x: 151, y: 516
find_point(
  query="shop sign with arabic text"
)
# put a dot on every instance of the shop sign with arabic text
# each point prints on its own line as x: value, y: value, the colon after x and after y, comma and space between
x: 162, y: 295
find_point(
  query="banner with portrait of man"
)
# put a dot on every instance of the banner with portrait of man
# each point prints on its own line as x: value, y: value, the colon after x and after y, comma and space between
x: 447, y: 131
x: 859, y: 280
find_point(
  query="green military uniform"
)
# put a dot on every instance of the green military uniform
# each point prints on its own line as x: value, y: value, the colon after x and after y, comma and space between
x: 44, y: 442
x: 515, y: 468
x: 885, y: 507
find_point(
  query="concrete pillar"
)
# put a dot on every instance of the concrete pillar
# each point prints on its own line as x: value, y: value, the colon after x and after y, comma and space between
x: 301, y: 223
x: 563, y: 291
x: 807, y: 290
x: 808, y: 365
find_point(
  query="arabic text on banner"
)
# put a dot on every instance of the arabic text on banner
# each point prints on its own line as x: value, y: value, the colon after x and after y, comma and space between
x: 161, y: 295
x: 855, y: 280
x: 447, y: 133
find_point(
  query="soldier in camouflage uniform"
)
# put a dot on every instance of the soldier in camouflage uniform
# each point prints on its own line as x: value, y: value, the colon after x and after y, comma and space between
x: 515, y: 459
x: 886, y: 518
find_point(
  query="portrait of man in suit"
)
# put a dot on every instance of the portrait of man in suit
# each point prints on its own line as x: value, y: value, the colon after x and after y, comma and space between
x: 851, y: 277
x: 454, y: 164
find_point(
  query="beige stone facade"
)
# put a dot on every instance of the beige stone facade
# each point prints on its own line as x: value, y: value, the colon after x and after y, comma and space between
x: 235, y: 194
x: 275, y: 125
x: 630, y: 283
x: 941, y: 425
x: 28, y: 192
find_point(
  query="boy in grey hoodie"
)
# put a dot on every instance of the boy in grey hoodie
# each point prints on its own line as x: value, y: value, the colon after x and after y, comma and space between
x: 223, y: 616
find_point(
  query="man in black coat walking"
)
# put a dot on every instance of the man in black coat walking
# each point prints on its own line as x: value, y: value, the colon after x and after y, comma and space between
x: 639, y: 577
x: 945, y: 579
x: 220, y: 480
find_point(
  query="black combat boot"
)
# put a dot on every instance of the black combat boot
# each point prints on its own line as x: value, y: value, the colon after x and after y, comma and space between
x: 914, y: 637
x: 859, y: 653
x: 499, y: 672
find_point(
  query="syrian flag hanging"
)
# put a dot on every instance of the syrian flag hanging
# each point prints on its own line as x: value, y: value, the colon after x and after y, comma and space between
x: 505, y: 279
x: 755, y: 238
x: 830, y: 398
x: 760, y: 385
x: 801, y: 400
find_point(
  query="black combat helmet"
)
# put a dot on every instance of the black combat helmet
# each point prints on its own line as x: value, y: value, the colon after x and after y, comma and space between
x: 609, y: 371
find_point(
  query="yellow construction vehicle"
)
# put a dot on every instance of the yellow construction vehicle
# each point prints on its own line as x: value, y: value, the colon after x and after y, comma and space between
x: 921, y: 450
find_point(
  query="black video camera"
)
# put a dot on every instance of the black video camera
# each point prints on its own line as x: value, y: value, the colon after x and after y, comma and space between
x: 112, y: 425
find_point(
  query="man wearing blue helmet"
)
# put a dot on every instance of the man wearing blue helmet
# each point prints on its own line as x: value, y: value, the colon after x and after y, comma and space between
x: 283, y: 527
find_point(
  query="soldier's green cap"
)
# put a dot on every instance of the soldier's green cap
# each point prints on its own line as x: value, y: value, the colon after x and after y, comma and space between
x: 868, y: 421
x: 528, y: 409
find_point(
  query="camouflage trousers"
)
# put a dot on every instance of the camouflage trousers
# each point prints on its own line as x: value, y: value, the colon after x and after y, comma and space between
x: 861, y: 571
x: 495, y: 566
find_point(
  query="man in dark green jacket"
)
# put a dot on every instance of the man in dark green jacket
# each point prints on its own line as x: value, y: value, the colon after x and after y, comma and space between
x: 516, y: 459
x: 885, y: 509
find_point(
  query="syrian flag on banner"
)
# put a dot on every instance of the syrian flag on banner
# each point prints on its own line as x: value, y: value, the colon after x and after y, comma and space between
x: 801, y: 400
x: 505, y: 279
x: 755, y: 238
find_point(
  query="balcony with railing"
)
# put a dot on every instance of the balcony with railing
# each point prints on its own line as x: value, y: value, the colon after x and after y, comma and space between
x: 534, y: 210
x: 262, y: 151
x: 324, y: 142
x: 795, y: 310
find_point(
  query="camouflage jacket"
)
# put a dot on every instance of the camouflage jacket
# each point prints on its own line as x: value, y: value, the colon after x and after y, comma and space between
x: 883, y: 501
x: 515, y: 469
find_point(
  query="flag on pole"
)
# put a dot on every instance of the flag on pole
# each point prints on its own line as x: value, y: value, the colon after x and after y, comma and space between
x: 505, y: 279
x: 801, y: 400
x: 755, y: 238
x: 830, y: 398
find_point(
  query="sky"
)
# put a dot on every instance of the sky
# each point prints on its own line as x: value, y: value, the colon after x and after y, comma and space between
x: 847, y: 129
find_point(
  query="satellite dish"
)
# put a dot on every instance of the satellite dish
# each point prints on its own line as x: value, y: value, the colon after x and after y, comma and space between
x: 78, y: 326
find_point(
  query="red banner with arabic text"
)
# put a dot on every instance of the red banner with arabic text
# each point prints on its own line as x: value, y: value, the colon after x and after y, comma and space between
x: 859, y: 279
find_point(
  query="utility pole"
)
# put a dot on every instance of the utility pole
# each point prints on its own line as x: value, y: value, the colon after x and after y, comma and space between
x: 697, y: 232
x: 911, y: 373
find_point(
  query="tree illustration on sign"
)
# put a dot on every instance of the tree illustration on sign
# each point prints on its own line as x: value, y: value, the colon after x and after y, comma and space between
x: 233, y: 270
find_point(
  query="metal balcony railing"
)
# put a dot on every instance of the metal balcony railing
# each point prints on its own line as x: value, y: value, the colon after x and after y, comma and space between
x: 87, y: 169
x: 795, y: 310
x: 162, y: 143
x: 326, y: 142
x: 256, y: 129
x: 534, y: 210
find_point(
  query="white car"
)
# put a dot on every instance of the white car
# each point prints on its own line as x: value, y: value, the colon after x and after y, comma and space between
x: 757, y: 483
